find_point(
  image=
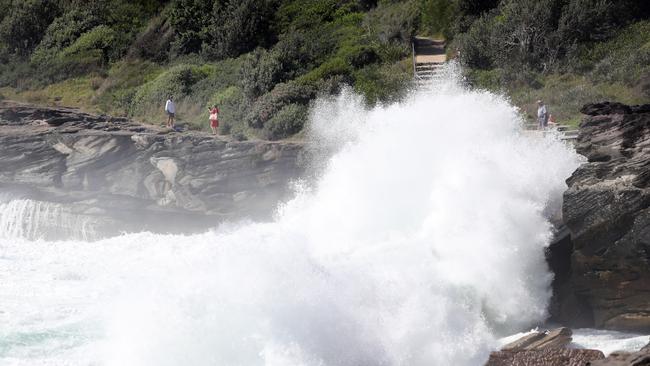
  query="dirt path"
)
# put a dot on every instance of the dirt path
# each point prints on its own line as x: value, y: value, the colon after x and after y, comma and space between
x: 428, y: 50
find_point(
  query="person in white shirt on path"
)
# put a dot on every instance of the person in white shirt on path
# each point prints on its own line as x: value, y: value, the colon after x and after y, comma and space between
x: 542, y: 115
x: 170, y: 108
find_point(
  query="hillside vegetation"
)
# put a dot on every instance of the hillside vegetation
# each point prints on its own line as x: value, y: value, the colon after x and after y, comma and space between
x: 565, y: 52
x: 263, y: 61
x: 260, y: 61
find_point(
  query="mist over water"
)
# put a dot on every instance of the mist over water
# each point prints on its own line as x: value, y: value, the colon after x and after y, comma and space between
x: 420, y: 243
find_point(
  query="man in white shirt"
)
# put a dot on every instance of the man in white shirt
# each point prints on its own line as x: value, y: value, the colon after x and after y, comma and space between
x: 170, y: 108
x: 542, y: 115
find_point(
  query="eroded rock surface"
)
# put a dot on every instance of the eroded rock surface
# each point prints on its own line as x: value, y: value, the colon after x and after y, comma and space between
x: 545, y: 357
x: 139, y: 177
x: 641, y: 358
x: 607, y: 209
x: 555, y: 338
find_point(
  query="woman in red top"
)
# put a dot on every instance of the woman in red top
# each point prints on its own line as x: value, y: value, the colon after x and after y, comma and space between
x: 214, y: 119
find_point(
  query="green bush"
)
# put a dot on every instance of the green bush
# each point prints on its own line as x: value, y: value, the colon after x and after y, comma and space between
x: 286, y: 122
x: 238, y: 27
x: 626, y: 58
x: 90, y: 52
x: 393, y: 21
x: 153, y: 43
x: 24, y: 24
x: 270, y: 103
x: 260, y: 72
x: 218, y: 29
x: 485, y: 79
x: 101, y: 38
x: 382, y: 83
x: 437, y: 16
x: 177, y: 81
x: 62, y: 32
x: 476, y: 45
x: 297, y: 14
x: 116, y: 92
x: 190, y: 20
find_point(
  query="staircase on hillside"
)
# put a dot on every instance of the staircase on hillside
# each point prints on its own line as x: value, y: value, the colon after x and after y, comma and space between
x: 428, y: 58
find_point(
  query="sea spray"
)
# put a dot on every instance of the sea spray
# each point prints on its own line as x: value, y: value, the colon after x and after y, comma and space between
x: 420, y: 243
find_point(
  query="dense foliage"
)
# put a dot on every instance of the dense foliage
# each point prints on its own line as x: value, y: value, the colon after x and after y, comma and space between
x: 567, y: 52
x: 261, y: 61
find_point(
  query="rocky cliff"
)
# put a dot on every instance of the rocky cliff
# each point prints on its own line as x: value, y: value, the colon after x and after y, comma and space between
x: 607, y: 210
x: 119, y: 175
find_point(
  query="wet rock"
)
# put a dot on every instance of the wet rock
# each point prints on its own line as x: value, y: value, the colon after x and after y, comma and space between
x: 607, y: 210
x: 641, y: 358
x: 605, y: 108
x: 545, y: 357
x: 556, y: 338
x: 137, y: 176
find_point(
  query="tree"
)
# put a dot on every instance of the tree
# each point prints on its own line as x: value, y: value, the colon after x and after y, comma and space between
x: 190, y: 20
x: 23, y: 27
x: 238, y: 26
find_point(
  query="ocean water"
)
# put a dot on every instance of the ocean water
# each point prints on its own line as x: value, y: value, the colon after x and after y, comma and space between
x: 420, y: 242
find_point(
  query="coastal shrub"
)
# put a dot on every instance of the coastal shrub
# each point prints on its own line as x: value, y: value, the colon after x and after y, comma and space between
x: 117, y: 90
x: 270, y: 103
x: 393, y: 21
x: 62, y: 32
x: 437, y: 16
x: 190, y: 20
x: 101, y: 39
x: 14, y: 72
x: 298, y: 14
x: 333, y: 67
x: 90, y: 52
x: 260, y: 72
x: 176, y: 81
x: 219, y: 29
x: 605, y: 64
x: 218, y: 76
x: 24, y: 24
x: 153, y: 42
x: 476, y: 44
x: 231, y: 110
x: 586, y: 20
x: 382, y: 83
x: 237, y: 27
x: 286, y: 122
x: 485, y: 79
x: 263, y: 69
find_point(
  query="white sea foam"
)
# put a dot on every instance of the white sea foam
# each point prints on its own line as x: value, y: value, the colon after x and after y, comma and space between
x: 420, y: 244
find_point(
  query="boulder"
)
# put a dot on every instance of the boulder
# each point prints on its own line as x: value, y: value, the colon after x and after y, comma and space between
x: 607, y: 210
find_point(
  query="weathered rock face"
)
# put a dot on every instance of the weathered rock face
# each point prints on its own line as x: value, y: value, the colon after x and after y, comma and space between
x: 137, y: 177
x: 641, y: 358
x: 556, y: 338
x: 545, y: 357
x: 607, y: 210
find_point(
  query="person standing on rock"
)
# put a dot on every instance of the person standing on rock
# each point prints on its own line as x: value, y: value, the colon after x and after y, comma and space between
x: 170, y: 108
x: 542, y: 115
x: 214, y: 119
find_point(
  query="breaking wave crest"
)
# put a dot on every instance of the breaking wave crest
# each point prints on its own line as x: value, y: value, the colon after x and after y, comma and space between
x: 420, y: 243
